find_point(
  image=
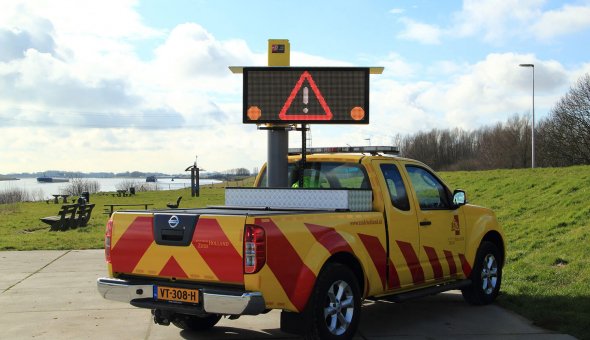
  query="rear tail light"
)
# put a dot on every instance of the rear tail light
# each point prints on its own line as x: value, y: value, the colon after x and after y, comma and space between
x: 107, y: 240
x: 254, y: 248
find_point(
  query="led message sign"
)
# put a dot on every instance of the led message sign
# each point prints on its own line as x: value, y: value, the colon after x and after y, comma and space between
x: 318, y: 95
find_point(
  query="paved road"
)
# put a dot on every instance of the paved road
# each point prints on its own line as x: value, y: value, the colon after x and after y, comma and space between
x: 52, y: 295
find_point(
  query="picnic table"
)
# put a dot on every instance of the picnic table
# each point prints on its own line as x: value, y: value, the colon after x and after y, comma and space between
x: 112, y: 207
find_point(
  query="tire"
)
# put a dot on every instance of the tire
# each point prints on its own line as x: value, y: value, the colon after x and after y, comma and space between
x: 196, y: 323
x: 486, y: 276
x: 335, y: 304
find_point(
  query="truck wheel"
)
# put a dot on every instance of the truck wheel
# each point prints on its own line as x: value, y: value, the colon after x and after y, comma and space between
x: 486, y: 276
x: 196, y: 323
x: 336, y: 304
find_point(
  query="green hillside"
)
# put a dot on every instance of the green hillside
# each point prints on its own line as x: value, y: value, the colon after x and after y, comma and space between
x: 545, y: 214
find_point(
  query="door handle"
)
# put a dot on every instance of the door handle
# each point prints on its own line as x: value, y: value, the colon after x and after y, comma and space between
x: 425, y: 223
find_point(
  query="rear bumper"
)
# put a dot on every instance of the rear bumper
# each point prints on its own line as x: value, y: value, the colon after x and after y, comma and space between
x: 216, y: 301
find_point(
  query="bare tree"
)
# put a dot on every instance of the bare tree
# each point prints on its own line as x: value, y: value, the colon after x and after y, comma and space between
x: 77, y: 186
x: 566, y: 132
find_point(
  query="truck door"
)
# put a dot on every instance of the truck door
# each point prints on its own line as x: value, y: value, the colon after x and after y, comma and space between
x: 441, y: 226
x: 402, y: 227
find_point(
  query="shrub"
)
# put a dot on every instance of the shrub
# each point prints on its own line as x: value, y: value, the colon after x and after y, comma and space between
x: 13, y: 195
x: 76, y: 186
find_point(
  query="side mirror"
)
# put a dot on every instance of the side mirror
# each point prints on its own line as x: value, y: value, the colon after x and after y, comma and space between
x: 459, y: 197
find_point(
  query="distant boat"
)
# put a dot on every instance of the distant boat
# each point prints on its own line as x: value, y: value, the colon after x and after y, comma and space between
x: 52, y: 180
x: 150, y: 179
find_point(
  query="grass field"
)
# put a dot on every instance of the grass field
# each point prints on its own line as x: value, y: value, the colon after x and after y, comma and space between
x: 545, y: 214
x: 21, y: 229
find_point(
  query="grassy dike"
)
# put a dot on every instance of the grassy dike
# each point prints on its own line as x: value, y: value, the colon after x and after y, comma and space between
x: 545, y: 214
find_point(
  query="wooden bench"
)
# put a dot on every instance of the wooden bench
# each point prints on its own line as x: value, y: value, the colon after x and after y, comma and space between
x: 83, y: 215
x: 64, y: 219
x: 174, y: 206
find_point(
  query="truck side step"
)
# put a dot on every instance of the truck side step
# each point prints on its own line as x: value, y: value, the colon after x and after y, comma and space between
x: 401, y: 297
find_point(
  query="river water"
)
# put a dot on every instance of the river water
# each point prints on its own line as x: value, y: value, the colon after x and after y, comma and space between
x: 45, y: 190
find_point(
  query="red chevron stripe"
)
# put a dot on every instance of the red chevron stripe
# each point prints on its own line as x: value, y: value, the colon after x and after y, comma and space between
x: 377, y: 254
x: 172, y: 269
x: 294, y: 276
x: 434, y: 262
x: 393, y: 281
x: 132, y: 245
x: 412, y: 261
x: 451, y: 262
x: 329, y: 238
x: 220, y: 255
x: 465, y: 265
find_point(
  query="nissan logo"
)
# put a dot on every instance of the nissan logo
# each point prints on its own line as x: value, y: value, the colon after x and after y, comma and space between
x: 173, y: 221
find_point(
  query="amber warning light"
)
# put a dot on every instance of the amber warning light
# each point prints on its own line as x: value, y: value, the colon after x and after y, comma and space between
x: 318, y: 95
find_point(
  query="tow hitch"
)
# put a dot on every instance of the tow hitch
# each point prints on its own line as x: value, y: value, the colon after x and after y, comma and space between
x: 162, y: 317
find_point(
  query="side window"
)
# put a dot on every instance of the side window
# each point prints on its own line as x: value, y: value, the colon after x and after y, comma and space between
x: 396, y: 187
x: 431, y: 193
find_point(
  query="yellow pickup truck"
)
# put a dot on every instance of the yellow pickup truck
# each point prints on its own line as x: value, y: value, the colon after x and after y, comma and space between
x: 361, y: 224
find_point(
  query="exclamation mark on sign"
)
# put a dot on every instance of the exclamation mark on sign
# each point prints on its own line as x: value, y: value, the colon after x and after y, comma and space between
x: 305, y: 99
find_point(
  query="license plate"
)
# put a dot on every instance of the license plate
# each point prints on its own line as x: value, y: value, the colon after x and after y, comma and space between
x: 176, y: 294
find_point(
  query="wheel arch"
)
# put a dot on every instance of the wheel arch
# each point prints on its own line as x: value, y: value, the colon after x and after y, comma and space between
x: 494, y: 237
x: 481, y: 225
x: 349, y: 260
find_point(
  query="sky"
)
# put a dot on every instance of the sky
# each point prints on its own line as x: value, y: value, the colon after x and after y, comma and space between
x: 123, y: 85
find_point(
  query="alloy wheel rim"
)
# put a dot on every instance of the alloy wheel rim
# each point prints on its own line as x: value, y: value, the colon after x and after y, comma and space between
x: 489, y: 274
x: 339, y: 307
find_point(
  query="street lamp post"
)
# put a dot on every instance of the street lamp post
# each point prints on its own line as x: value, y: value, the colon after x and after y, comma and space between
x: 533, y: 128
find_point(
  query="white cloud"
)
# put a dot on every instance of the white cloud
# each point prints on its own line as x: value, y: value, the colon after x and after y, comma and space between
x: 71, y: 18
x: 73, y: 85
x: 397, y: 10
x: 494, y: 20
x: 497, y: 21
x: 500, y: 21
x: 478, y: 94
x: 397, y: 67
x: 565, y: 20
x: 420, y: 32
x: 190, y: 51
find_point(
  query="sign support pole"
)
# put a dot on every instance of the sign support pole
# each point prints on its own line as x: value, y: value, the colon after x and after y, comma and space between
x: 303, y: 154
x: 279, y: 54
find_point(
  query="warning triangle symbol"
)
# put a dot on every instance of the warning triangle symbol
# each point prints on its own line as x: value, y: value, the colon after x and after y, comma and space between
x: 305, y: 113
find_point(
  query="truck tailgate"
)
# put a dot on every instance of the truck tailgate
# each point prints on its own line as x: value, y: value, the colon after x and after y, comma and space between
x: 178, y: 246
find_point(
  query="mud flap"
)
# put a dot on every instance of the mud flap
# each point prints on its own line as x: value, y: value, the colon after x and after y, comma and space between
x: 296, y: 323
